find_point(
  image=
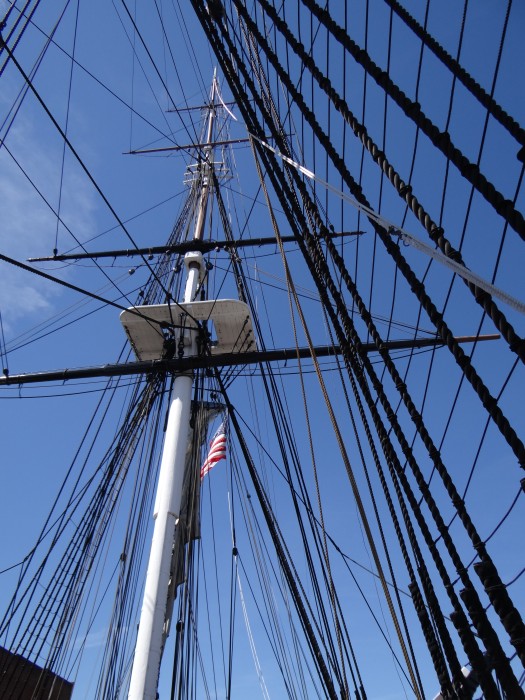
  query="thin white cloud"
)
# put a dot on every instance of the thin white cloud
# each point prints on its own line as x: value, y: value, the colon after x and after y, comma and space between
x: 92, y: 640
x: 27, y: 224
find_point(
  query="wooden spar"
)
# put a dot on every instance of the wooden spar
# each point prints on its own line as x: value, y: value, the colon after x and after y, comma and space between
x: 184, y: 247
x: 186, y: 364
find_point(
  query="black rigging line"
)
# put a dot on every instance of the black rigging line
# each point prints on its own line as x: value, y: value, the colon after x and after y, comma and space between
x: 435, y: 316
x: 449, y: 419
x: 130, y: 218
x: 22, y: 14
x: 216, y: 581
x: 357, y: 267
x: 500, y: 523
x: 64, y: 393
x: 136, y: 57
x: 122, y: 625
x: 48, y: 527
x: 18, y: 101
x: 281, y: 438
x: 488, y: 305
x: 103, y: 85
x: 210, y: 626
x: 276, y: 399
x: 269, y: 620
x: 86, y: 536
x: 473, y: 653
x: 376, y: 513
x: 90, y: 294
x: 285, y: 436
x: 518, y: 576
x: 3, y: 347
x: 49, y: 326
x: 469, y: 370
x: 487, y: 100
x: 412, y: 110
x: 264, y: 617
x: 456, y: 254
x: 155, y: 67
x: 70, y: 85
x: 57, y: 215
x: 233, y: 606
x: 408, y: 187
x: 80, y: 161
x: 74, y: 287
x: 270, y: 521
x: 345, y: 557
x: 190, y: 44
x: 381, y: 176
x: 174, y: 63
x: 435, y: 232
x: 438, y: 659
x: 59, y: 523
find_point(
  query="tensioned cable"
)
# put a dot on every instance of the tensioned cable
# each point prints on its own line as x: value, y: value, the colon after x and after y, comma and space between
x: 440, y: 140
x: 416, y: 687
x: 344, y: 556
x: 155, y: 67
x: 362, y: 158
x: 62, y: 517
x: 285, y: 426
x: 286, y: 563
x: 75, y: 288
x: 265, y: 571
x: 233, y: 84
x: 87, y: 527
x: 484, y: 98
x: 292, y: 295
x: 103, y: 85
x: 177, y: 73
x: 190, y: 45
x: 409, y: 183
x: 70, y: 85
x: 137, y: 531
x: 381, y: 175
x: 59, y: 220
x: 406, y: 237
x: 409, y: 274
x: 46, y: 530
x: 82, y: 165
x: 3, y: 346
x: 134, y: 311
x: 22, y: 14
x: 20, y: 97
x: 132, y: 43
x: 346, y: 562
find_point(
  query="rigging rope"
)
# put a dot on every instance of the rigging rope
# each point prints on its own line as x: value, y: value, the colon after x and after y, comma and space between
x: 409, y: 239
x: 435, y: 232
x: 412, y: 110
x: 470, y: 373
x: 484, y: 98
x: 233, y: 84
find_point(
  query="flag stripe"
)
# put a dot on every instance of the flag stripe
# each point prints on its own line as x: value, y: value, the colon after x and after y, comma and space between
x: 217, y: 450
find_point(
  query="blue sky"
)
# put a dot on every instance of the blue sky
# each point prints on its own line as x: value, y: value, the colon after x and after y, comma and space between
x: 40, y: 435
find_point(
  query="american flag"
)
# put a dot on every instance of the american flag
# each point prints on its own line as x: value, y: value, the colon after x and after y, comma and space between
x: 217, y: 450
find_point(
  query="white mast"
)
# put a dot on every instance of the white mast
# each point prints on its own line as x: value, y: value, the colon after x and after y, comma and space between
x: 150, y: 638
